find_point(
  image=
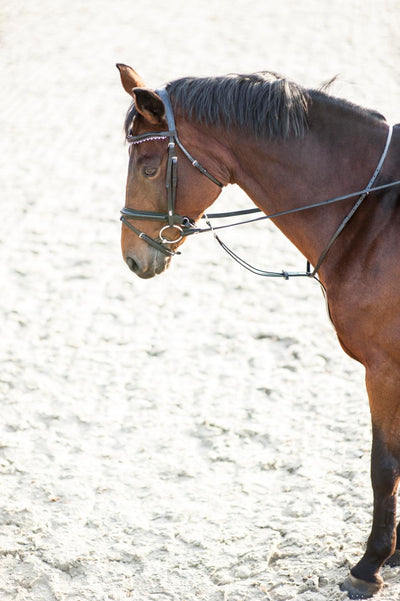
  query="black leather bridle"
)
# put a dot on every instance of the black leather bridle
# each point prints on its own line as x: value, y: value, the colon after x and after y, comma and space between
x: 183, y: 225
x: 186, y: 227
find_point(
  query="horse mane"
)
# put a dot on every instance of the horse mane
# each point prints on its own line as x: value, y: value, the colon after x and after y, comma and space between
x: 264, y: 104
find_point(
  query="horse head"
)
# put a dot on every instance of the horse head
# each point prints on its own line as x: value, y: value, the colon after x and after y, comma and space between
x: 154, y: 195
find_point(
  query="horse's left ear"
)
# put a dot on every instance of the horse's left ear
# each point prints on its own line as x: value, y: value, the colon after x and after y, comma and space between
x: 149, y: 105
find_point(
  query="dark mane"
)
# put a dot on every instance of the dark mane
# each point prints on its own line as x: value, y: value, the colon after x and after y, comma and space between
x: 129, y: 117
x: 264, y: 104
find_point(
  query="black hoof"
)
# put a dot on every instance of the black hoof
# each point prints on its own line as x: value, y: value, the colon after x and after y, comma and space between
x: 360, y: 589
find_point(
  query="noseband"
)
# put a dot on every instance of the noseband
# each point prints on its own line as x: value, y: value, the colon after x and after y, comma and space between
x: 183, y: 225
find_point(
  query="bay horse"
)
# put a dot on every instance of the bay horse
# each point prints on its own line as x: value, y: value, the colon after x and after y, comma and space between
x: 287, y: 147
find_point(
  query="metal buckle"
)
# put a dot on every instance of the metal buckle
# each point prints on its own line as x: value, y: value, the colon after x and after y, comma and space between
x: 165, y: 240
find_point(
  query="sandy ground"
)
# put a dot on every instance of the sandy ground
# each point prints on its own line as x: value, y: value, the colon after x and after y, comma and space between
x: 200, y: 436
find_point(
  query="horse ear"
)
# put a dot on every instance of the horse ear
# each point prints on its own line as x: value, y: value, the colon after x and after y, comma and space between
x: 129, y: 78
x: 149, y: 105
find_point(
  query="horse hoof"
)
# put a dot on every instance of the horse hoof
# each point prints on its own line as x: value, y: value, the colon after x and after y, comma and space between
x: 394, y: 560
x: 360, y: 589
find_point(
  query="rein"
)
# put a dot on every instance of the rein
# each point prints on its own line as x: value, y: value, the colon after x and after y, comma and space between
x: 186, y: 227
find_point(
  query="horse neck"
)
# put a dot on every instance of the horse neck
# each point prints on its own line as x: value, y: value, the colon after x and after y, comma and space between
x: 337, y: 156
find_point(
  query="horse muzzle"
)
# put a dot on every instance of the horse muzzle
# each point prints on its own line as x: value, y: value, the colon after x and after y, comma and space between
x: 147, y: 267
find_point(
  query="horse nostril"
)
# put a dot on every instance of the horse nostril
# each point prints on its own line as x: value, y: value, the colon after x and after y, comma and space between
x: 133, y: 266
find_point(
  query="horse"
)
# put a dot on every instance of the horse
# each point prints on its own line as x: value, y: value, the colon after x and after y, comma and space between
x: 286, y: 146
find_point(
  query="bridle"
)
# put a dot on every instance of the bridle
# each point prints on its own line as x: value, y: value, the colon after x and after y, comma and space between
x: 183, y: 225
x: 186, y: 227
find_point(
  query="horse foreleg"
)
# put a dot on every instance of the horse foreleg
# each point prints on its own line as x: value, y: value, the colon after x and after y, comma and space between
x: 364, y: 579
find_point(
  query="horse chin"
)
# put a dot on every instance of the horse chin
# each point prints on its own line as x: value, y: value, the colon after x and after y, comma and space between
x: 150, y: 266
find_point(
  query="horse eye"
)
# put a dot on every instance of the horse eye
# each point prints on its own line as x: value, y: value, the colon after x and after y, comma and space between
x: 149, y: 171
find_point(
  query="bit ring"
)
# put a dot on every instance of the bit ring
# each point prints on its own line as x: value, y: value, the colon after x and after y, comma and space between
x: 166, y: 227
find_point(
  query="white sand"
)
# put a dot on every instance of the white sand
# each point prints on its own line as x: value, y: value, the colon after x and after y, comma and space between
x: 200, y: 436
